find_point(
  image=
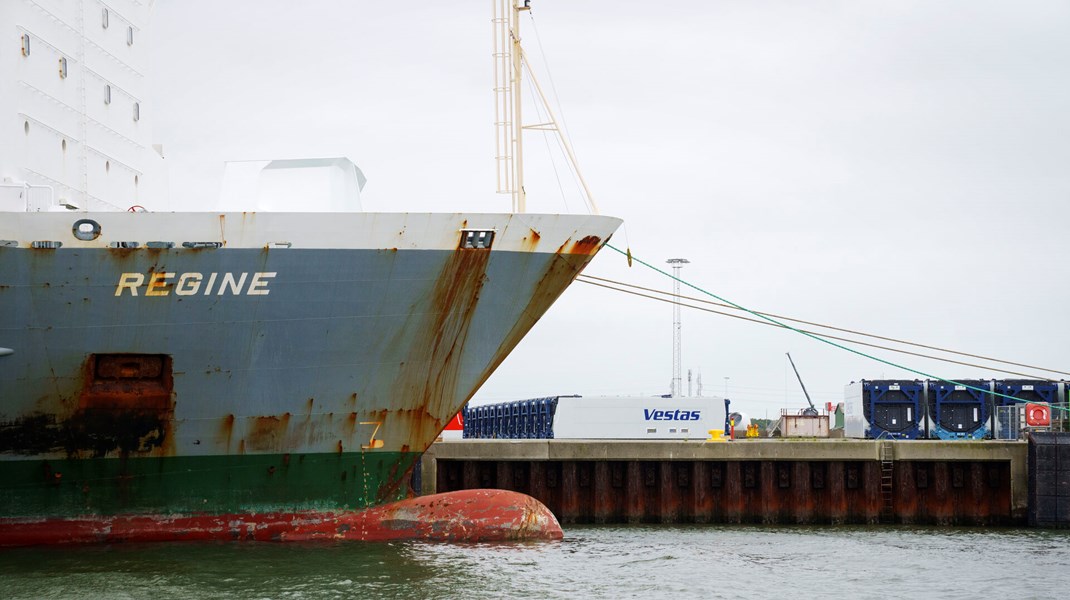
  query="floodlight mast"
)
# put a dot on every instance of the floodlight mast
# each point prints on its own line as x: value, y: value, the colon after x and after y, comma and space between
x: 677, y: 346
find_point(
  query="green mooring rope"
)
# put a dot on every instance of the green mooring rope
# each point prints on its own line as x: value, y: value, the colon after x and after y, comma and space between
x: 631, y: 257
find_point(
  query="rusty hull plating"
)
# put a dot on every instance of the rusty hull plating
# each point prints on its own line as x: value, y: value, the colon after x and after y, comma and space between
x: 463, y: 516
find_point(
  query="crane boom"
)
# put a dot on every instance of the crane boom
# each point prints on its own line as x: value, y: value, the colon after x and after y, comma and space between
x: 811, y: 410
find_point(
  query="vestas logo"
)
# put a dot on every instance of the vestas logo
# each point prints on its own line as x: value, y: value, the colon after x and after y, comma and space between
x: 671, y: 415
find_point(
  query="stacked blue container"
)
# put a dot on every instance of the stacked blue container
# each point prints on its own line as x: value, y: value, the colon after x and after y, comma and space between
x: 959, y: 411
x: 524, y: 419
x: 894, y: 409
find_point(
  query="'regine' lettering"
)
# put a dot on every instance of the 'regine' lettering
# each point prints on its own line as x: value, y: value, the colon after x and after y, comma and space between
x: 193, y: 284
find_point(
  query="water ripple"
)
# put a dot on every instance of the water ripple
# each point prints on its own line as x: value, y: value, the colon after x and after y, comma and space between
x: 591, y: 562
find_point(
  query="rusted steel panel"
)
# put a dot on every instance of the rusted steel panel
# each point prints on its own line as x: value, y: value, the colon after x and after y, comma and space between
x: 635, y: 493
x: 570, y: 493
x: 668, y: 506
x: 942, y: 506
x: 603, y: 496
x: 554, y: 490
x: 905, y: 506
x: 803, y: 496
x: 822, y: 492
x: 978, y: 505
x: 537, y: 485
x: 770, y: 509
x: 732, y: 492
x: 837, y: 504
x: 872, y: 492
x: 702, y: 506
x: 584, y: 473
x: 503, y: 476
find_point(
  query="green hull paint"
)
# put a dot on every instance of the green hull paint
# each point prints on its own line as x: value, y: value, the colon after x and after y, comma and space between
x: 230, y: 484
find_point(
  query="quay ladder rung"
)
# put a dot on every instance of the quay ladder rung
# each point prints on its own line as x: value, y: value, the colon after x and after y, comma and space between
x: 887, y: 458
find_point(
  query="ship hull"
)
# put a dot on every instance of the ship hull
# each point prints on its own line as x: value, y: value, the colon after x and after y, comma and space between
x: 273, y: 366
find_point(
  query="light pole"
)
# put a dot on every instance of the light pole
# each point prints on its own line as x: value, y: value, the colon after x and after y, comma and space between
x: 677, y: 264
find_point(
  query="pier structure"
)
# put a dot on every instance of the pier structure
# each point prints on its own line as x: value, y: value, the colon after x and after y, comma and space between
x: 752, y: 481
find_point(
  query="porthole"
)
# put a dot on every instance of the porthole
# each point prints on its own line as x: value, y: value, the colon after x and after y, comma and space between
x: 135, y: 180
x: 137, y: 111
x: 26, y: 127
x: 63, y: 145
x: 129, y: 36
x: 107, y: 166
x: 104, y: 18
x: 107, y: 94
x: 63, y: 67
x: 25, y: 44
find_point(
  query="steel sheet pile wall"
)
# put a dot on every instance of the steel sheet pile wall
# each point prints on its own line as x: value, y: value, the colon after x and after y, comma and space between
x: 746, y: 491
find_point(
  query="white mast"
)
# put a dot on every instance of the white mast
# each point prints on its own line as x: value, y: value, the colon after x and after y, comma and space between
x: 509, y: 61
x: 507, y: 100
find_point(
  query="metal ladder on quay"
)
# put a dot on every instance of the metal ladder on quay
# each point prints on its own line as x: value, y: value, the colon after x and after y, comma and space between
x: 887, y: 459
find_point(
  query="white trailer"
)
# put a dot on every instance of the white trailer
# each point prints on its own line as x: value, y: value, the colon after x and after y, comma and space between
x: 640, y: 417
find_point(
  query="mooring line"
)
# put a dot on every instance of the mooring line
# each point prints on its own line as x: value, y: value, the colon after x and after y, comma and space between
x: 632, y: 257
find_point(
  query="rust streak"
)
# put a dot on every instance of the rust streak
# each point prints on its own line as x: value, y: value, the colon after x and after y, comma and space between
x: 530, y: 242
x: 266, y: 433
x: 428, y: 375
x: 588, y: 245
x: 227, y: 427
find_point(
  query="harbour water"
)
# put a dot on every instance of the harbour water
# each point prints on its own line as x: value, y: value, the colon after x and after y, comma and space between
x: 591, y: 562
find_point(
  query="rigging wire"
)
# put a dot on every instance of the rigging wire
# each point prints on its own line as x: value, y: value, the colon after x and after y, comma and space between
x: 562, y: 128
x: 834, y: 328
x: 822, y: 338
x: 812, y: 333
x: 553, y: 163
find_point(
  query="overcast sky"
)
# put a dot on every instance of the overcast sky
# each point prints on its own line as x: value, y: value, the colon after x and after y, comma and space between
x: 901, y: 168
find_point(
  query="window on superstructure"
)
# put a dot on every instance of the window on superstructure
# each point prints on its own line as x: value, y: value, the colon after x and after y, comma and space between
x: 104, y: 18
x: 62, y: 67
x: 129, y: 36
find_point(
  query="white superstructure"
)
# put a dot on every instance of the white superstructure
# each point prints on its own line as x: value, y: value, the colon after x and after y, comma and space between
x: 73, y: 114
